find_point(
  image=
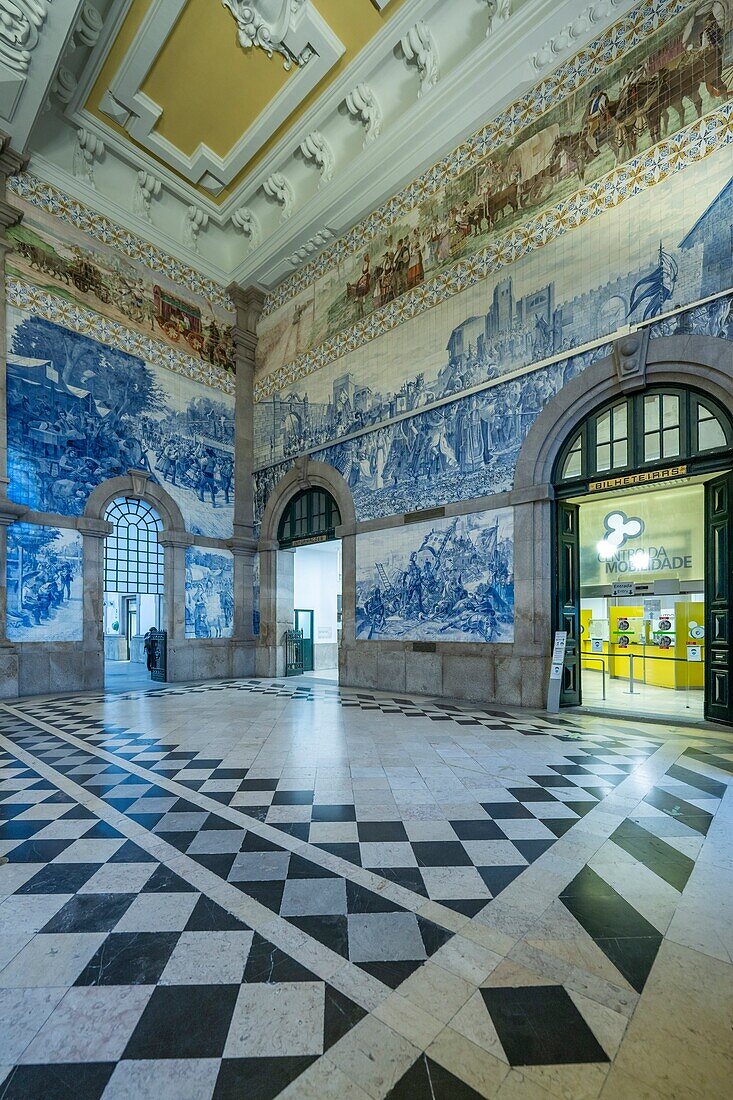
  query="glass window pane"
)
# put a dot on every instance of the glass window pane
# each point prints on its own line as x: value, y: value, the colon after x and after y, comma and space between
x: 671, y: 442
x: 671, y: 410
x: 603, y: 428
x: 651, y: 413
x: 573, y: 463
x: 710, y: 431
x: 603, y: 456
x: 620, y: 453
x: 620, y: 415
x: 652, y: 450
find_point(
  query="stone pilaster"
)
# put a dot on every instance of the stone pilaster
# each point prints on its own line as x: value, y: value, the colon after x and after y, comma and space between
x: 93, y: 532
x: 175, y: 544
x: 248, y: 304
x: 10, y: 163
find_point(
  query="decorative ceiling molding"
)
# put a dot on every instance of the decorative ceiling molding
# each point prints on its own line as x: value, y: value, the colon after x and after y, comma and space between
x: 363, y: 104
x: 194, y: 220
x: 21, y: 22
x: 594, y: 14
x: 418, y: 46
x: 272, y: 26
x: 315, y: 244
x: 315, y: 147
x: 147, y: 188
x: 500, y: 11
x: 309, y: 38
x: 89, y: 149
x: 245, y: 220
x: 280, y: 189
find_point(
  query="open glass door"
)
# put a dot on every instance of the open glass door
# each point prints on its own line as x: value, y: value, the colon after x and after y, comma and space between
x: 567, y: 585
x: 304, y: 622
x: 719, y: 592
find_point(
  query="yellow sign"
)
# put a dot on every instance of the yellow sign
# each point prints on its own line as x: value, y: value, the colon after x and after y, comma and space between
x: 643, y: 478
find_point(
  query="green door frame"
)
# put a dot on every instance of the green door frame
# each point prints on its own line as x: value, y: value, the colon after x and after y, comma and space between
x: 719, y: 599
x: 307, y: 642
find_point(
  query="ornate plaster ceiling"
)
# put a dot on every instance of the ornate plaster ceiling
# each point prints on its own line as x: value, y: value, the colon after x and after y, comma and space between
x: 209, y: 102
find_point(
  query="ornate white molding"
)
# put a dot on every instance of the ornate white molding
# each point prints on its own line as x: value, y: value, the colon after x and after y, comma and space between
x: 598, y: 12
x: 315, y: 147
x: 280, y: 189
x: 87, y: 151
x: 88, y: 27
x: 147, y: 188
x: 268, y: 24
x: 194, y: 220
x: 20, y: 27
x: 363, y: 104
x: 64, y: 85
x: 323, y: 236
x: 419, y: 46
x: 499, y: 12
x: 246, y: 220
x: 307, y: 37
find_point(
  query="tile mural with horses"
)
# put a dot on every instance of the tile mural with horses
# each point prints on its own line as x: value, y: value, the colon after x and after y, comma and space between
x: 619, y: 107
x: 81, y: 412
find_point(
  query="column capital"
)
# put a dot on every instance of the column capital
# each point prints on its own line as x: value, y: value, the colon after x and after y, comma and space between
x: 94, y: 528
x: 11, y: 161
x: 175, y: 539
x: 10, y: 512
x: 249, y: 303
x: 242, y: 545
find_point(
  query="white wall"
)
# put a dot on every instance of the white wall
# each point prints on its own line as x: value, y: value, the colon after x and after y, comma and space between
x: 317, y: 584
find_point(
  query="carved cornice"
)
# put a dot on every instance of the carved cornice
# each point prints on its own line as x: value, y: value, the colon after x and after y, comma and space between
x: 279, y: 188
x: 362, y: 104
x: 315, y: 147
x: 419, y: 47
x: 11, y: 162
x: 248, y: 303
x: 268, y: 25
x: 245, y: 219
x: 21, y: 22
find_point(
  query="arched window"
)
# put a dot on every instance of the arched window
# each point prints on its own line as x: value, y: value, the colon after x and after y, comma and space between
x: 133, y: 559
x: 312, y: 515
x: 650, y: 429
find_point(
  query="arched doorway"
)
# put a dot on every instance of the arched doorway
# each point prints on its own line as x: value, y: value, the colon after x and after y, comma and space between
x: 643, y: 548
x: 133, y: 586
x: 306, y: 565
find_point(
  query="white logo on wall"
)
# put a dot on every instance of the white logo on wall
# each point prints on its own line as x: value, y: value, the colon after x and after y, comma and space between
x: 620, y: 529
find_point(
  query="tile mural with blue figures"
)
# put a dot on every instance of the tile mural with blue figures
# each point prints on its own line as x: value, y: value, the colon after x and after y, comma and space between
x: 450, y: 580
x: 209, y: 593
x: 549, y: 302
x: 468, y: 447
x: 81, y: 412
x: 45, y: 584
x: 256, y: 596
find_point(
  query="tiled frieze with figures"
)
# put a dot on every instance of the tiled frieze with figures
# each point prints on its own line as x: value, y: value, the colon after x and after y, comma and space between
x: 81, y: 411
x: 660, y: 251
x: 44, y: 584
x: 450, y: 580
x: 468, y: 447
x: 129, y: 284
x: 209, y: 593
x: 618, y: 117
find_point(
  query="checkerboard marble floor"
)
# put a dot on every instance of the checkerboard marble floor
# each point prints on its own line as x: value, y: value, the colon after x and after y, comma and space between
x: 258, y: 889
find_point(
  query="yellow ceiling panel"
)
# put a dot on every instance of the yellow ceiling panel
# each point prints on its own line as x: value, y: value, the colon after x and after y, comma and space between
x: 210, y: 89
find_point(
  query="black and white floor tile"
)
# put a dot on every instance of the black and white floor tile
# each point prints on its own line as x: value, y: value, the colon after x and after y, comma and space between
x: 250, y: 888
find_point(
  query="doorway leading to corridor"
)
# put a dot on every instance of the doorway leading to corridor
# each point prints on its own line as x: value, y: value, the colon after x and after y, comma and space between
x: 133, y: 589
x: 307, y: 531
x: 644, y: 558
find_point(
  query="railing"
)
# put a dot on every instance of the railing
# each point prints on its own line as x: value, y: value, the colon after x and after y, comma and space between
x: 588, y: 655
x: 158, y: 655
x: 293, y: 652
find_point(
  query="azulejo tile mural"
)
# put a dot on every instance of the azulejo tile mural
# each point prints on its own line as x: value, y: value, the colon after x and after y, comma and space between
x: 81, y: 412
x: 642, y: 80
x: 49, y: 199
x: 451, y: 580
x: 138, y: 288
x: 209, y: 593
x: 659, y: 252
x: 468, y: 447
x: 45, y: 584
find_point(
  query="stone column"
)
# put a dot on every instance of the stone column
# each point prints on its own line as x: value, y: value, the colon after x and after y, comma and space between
x: 277, y: 590
x: 347, y: 534
x: 93, y: 532
x: 248, y: 304
x: 180, y: 656
x: 533, y: 560
x: 10, y: 163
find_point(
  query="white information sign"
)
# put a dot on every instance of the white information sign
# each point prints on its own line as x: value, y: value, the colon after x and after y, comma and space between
x: 624, y: 588
x: 558, y: 662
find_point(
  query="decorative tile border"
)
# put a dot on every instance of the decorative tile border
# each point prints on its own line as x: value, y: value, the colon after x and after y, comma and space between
x: 25, y: 296
x: 587, y: 63
x: 695, y: 142
x: 103, y: 229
